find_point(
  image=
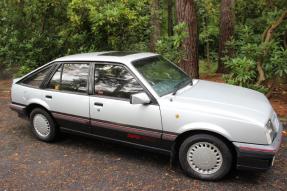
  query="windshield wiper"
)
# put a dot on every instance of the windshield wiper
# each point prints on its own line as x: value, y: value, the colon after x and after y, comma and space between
x: 182, y: 84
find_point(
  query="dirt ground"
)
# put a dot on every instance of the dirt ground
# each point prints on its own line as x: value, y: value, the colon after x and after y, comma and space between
x: 79, y: 163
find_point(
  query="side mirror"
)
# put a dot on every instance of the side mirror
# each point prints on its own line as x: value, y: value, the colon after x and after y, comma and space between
x: 140, y: 98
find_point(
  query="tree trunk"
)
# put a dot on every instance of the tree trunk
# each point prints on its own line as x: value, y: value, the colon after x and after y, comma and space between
x: 285, y: 40
x: 155, y: 24
x: 170, y: 17
x: 20, y: 23
x: 226, y: 32
x: 208, y: 56
x: 186, y: 12
x: 207, y: 46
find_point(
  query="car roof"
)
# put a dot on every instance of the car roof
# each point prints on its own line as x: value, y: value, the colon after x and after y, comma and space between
x: 110, y: 56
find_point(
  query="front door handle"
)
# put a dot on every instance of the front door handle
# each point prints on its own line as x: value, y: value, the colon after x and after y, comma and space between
x: 48, y: 96
x: 98, y: 104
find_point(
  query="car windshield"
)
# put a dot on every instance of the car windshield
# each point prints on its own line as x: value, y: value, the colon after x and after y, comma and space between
x: 162, y: 75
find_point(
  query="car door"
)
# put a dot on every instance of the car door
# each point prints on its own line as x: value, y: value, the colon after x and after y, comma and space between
x: 67, y: 96
x: 112, y: 114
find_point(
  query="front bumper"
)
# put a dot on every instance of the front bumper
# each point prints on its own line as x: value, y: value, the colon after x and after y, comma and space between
x: 257, y: 157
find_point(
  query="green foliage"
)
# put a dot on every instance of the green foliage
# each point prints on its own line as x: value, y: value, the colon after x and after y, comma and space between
x: 250, y: 49
x: 242, y: 73
x: 207, y: 68
x: 209, y: 20
x: 29, y: 32
x: 169, y: 46
x: 208, y: 11
x: 33, y: 32
x: 278, y: 63
x: 108, y: 25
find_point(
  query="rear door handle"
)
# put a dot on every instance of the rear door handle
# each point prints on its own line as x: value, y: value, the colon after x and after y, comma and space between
x: 98, y: 104
x: 48, y: 96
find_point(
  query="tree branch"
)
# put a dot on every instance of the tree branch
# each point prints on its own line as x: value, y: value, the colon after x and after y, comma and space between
x: 267, y: 37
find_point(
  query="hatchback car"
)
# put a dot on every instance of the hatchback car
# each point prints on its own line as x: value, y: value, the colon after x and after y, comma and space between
x: 144, y: 100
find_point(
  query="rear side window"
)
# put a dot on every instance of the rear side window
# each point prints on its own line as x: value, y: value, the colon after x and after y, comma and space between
x: 71, y: 77
x: 37, y: 78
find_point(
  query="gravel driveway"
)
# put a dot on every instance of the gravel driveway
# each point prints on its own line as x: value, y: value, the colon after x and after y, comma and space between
x: 80, y: 163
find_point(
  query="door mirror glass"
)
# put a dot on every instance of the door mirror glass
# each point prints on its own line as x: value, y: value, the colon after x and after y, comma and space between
x: 140, y: 98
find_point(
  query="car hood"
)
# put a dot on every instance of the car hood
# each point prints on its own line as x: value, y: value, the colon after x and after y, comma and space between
x: 225, y: 100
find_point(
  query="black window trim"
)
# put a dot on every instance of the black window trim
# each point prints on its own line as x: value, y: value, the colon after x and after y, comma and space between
x: 51, y: 74
x: 90, y: 89
x: 153, y: 100
x: 61, y: 64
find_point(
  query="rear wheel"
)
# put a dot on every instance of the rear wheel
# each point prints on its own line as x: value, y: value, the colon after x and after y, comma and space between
x: 43, y: 125
x: 205, y: 157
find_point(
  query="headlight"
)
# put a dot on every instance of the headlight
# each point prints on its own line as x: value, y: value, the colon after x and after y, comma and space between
x: 270, y: 132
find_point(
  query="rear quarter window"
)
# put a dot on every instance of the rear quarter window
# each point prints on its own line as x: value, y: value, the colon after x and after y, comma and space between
x: 36, y: 79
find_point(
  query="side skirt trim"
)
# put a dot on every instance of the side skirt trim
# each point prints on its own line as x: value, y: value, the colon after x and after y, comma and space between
x: 116, y: 140
x: 71, y: 118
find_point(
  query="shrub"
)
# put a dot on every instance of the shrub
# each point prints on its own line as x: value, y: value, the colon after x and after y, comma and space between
x: 242, y: 71
x: 169, y: 46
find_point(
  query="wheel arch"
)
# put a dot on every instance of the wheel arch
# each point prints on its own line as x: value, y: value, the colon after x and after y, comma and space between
x: 32, y: 106
x: 180, y: 138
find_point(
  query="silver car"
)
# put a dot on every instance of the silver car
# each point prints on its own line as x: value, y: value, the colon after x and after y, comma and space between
x: 142, y: 99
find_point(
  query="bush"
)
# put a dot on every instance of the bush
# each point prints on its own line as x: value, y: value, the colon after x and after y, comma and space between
x: 249, y: 49
x: 242, y: 71
x: 169, y: 46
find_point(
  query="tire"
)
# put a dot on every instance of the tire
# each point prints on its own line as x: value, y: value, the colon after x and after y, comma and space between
x: 205, y: 157
x: 43, y: 125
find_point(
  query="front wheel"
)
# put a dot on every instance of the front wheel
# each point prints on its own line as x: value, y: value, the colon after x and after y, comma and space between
x: 205, y: 157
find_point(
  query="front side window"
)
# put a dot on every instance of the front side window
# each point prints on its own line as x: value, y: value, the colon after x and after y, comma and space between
x: 71, y: 77
x: 163, y: 76
x: 37, y: 78
x: 115, y: 81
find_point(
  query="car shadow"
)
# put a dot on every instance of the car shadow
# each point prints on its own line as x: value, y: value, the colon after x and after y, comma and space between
x: 246, y: 177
